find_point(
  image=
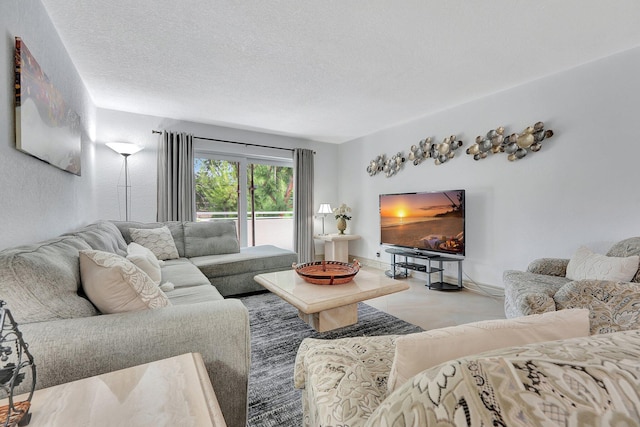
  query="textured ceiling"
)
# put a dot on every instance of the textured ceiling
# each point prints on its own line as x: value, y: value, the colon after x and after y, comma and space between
x: 327, y: 70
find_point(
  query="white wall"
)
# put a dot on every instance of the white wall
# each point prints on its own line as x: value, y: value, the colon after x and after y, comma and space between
x: 580, y: 189
x: 129, y: 127
x: 39, y: 201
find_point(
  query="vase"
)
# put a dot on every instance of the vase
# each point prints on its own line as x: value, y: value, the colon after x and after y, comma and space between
x: 342, y: 225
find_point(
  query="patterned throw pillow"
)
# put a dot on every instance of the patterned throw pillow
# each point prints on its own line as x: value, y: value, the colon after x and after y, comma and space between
x: 158, y: 240
x: 115, y: 285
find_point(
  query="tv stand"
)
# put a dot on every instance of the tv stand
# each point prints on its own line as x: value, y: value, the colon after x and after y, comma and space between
x: 440, y: 285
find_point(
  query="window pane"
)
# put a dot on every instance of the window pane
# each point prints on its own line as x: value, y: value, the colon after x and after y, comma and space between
x: 216, y: 184
x: 271, y: 195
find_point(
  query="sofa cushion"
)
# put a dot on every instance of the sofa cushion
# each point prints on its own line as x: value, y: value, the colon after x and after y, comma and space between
x: 102, y: 236
x: 626, y: 248
x: 210, y: 238
x: 586, y: 265
x: 612, y: 306
x: 40, y: 282
x: 115, y: 285
x: 145, y: 260
x: 194, y: 294
x: 416, y: 352
x: 176, y: 228
x: 158, y: 240
x: 255, y: 258
x: 183, y: 274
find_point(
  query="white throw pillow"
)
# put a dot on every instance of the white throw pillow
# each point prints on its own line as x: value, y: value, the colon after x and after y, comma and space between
x: 158, y: 240
x: 586, y: 265
x: 145, y: 260
x: 115, y: 285
x: 417, y: 352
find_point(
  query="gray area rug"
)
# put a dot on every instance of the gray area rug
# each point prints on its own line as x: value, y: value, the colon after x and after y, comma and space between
x: 276, y: 333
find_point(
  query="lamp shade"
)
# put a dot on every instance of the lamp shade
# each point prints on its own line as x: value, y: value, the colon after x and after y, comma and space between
x: 124, y: 148
x: 325, y: 208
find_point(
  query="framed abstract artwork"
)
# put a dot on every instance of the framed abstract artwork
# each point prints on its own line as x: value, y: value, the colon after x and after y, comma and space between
x: 46, y: 126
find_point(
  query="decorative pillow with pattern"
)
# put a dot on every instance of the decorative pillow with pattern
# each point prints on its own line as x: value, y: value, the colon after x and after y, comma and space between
x: 145, y: 260
x: 115, y: 285
x: 586, y: 265
x: 158, y: 240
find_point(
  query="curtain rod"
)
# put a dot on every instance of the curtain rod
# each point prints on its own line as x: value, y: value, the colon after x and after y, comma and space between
x: 237, y: 142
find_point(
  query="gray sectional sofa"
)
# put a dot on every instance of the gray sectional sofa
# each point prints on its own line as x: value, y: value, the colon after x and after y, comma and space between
x: 213, y: 248
x: 70, y: 339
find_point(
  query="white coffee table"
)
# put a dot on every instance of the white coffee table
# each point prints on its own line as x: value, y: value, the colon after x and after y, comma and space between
x: 328, y: 307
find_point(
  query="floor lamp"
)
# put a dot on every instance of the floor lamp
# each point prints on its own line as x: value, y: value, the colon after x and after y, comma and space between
x: 325, y: 208
x: 125, y: 149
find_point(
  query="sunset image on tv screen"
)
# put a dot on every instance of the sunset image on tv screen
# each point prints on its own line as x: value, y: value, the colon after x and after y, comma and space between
x: 426, y: 221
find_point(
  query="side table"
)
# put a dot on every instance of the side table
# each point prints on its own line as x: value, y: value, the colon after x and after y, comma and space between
x: 336, y: 246
x: 170, y: 392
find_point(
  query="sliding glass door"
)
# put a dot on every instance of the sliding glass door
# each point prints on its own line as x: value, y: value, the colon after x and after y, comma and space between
x: 258, y: 190
x: 270, y: 204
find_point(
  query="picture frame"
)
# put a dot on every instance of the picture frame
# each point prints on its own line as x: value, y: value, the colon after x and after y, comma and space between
x: 47, y: 128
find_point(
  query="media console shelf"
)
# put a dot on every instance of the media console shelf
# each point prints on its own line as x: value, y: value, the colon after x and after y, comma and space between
x: 428, y: 268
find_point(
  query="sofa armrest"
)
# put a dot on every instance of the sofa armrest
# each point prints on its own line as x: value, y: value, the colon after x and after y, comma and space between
x: 549, y: 266
x: 343, y: 380
x: 526, y: 304
x: 71, y: 349
x: 376, y: 352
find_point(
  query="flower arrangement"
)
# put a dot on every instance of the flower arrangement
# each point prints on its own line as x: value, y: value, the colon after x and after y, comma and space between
x: 342, y: 211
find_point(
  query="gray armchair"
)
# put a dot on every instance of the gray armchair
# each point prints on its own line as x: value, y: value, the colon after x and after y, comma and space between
x: 535, y: 291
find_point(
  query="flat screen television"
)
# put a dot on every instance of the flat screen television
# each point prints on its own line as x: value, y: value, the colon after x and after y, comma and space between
x: 429, y: 221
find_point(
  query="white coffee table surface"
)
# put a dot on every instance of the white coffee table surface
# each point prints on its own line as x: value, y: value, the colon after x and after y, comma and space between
x: 310, y: 298
x: 169, y: 392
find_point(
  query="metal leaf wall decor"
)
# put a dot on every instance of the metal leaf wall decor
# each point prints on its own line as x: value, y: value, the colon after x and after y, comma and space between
x: 418, y: 153
x: 516, y: 145
x: 440, y: 153
x: 390, y: 166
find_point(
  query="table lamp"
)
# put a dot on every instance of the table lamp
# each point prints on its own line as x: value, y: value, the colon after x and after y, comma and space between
x: 325, y: 208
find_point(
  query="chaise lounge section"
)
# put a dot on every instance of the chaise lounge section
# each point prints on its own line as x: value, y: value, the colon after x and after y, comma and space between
x: 213, y: 248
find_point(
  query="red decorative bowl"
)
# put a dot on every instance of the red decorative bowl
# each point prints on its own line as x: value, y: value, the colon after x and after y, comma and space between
x: 327, y: 272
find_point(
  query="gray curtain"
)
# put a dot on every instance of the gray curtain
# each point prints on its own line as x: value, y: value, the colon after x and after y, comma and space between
x: 303, y: 212
x: 176, y: 191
